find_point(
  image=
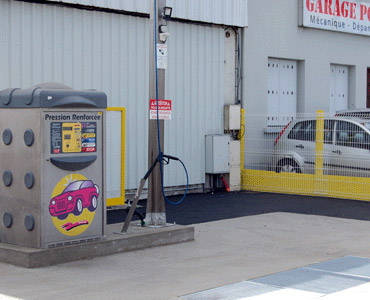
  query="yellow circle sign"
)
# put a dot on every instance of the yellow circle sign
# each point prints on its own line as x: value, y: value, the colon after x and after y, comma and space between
x: 73, y: 204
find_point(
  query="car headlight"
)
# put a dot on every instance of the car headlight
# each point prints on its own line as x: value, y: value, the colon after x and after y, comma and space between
x: 53, y: 202
x: 97, y: 189
x: 70, y: 198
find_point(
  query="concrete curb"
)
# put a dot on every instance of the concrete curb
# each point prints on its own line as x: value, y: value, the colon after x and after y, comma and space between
x: 135, y: 239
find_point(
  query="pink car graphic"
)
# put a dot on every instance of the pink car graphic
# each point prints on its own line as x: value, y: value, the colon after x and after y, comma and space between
x: 75, y: 197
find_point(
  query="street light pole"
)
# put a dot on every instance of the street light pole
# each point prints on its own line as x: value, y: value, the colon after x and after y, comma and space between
x: 155, y: 209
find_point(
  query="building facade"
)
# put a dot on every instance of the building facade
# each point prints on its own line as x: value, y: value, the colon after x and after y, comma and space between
x: 278, y: 58
x: 104, y: 45
x: 299, y: 57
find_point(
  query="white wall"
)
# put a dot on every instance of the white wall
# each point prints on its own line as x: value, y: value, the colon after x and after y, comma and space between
x: 274, y: 32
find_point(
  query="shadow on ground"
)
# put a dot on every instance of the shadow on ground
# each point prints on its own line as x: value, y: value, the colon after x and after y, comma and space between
x: 200, y: 208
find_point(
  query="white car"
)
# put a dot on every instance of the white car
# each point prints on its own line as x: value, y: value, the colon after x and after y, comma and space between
x: 346, y: 147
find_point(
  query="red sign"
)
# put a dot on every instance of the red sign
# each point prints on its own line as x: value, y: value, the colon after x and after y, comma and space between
x: 164, y: 109
x: 88, y: 149
x: 338, y: 15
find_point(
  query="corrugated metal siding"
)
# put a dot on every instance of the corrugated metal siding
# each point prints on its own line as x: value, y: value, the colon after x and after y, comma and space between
x: 195, y: 84
x: 109, y: 52
x: 138, y: 6
x: 82, y: 49
x: 224, y: 12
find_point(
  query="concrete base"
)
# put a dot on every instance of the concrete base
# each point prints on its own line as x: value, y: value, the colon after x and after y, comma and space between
x: 136, y: 238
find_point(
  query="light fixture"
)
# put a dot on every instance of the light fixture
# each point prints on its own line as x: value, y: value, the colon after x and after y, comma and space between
x: 162, y: 28
x: 167, y: 12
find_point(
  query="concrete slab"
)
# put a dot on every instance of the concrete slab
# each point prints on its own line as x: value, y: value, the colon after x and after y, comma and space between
x: 310, y: 280
x: 349, y: 265
x: 252, y: 291
x: 233, y: 291
x: 223, y: 252
x: 136, y: 238
x: 316, y: 281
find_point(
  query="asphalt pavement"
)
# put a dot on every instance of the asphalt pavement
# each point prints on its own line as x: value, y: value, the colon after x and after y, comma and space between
x: 201, y: 208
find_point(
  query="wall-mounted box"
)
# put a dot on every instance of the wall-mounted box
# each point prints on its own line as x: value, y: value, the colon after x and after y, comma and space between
x: 234, y: 153
x: 232, y: 117
x: 234, y: 178
x: 217, y: 154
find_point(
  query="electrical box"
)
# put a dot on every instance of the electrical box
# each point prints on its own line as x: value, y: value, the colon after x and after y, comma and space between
x: 234, y: 174
x: 234, y: 178
x: 232, y: 117
x: 217, y: 154
x: 234, y: 153
x: 52, y: 166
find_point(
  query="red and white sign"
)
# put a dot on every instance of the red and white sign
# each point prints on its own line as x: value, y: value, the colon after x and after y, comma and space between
x: 337, y: 15
x: 164, y: 109
x: 88, y: 149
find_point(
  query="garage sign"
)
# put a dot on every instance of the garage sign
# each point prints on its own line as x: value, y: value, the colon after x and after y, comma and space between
x: 337, y: 15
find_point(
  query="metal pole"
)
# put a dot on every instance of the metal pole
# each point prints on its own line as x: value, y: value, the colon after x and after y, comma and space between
x: 155, y: 209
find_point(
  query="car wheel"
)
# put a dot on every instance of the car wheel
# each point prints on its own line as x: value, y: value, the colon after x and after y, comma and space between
x: 78, y: 208
x: 62, y: 217
x: 93, y: 204
x: 288, y: 166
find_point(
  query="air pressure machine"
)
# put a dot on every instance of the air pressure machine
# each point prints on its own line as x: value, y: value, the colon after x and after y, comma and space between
x: 52, y: 166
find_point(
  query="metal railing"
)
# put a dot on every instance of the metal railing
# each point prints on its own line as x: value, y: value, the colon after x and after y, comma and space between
x: 115, y: 156
x: 314, y: 154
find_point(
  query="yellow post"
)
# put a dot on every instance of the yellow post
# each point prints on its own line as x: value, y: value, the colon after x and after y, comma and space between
x: 120, y: 200
x: 242, y: 139
x: 319, y: 152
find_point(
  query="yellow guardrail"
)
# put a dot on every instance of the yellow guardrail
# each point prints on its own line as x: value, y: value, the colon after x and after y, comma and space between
x: 121, y: 199
x: 318, y: 184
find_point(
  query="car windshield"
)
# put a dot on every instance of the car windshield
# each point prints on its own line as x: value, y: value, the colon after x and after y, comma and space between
x: 77, y: 185
x: 87, y: 184
x: 74, y: 186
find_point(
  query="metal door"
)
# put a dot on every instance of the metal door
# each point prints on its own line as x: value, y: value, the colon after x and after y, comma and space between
x: 281, y: 91
x: 338, y: 88
x: 351, y: 155
x: 302, y: 143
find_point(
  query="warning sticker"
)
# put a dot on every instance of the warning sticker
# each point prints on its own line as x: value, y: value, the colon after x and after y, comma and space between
x: 164, y: 109
x: 162, y: 56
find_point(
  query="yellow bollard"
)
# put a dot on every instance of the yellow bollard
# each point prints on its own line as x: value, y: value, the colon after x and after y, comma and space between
x: 319, y: 153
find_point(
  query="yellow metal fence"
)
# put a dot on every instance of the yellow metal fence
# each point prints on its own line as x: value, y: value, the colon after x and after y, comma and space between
x: 317, y: 184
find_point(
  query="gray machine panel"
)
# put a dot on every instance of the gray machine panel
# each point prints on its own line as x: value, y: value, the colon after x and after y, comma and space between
x: 71, y: 145
x: 52, y: 166
x: 19, y: 163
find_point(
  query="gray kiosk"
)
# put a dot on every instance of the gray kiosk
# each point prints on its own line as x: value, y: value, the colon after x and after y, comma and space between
x: 52, y: 166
